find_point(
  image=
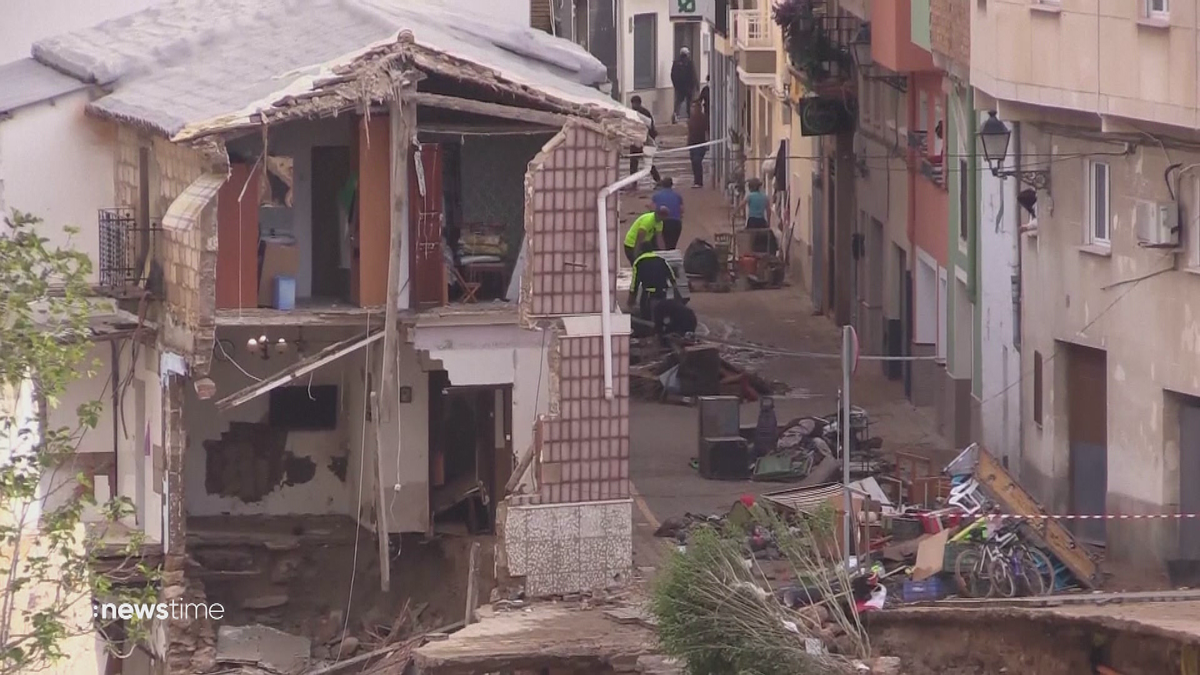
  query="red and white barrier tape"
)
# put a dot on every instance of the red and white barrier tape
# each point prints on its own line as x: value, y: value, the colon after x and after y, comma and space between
x: 1146, y: 516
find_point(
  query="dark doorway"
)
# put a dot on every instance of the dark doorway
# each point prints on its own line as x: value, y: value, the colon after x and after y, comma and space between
x: 330, y: 172
x: 1189, y: 474
x: 470, y: 434
x: 1087, y: 436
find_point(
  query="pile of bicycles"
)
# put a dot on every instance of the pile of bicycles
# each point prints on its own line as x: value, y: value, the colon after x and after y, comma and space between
x: 1002, y: 566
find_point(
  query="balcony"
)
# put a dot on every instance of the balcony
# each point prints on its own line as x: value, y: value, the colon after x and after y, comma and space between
x: 752, y: 37
x: 818, y: 45
x: 125, y: 252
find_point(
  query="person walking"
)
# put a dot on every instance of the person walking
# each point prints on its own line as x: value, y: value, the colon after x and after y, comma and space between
x: 698, y: 134
x: 652, y: 276
x: 683, y: 79
x: 667, y: 198
x: 646, y: 228
x: 635, y: 153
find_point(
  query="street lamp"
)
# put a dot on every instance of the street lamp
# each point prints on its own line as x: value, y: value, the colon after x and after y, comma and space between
x: 860, y: 50
x: 995, y: 136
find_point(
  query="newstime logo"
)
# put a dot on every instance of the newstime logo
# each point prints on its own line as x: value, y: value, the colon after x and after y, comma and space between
x: 174, y: 609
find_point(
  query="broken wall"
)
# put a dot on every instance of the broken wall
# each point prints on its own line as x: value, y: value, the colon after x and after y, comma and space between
x: 237, y: 464
x: 575, y: 531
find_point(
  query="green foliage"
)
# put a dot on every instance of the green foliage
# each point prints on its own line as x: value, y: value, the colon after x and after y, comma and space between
x: 44, y: 311
x: 716, y: 611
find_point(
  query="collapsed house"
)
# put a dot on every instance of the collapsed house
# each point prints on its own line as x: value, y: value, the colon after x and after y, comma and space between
x: 364, y: 250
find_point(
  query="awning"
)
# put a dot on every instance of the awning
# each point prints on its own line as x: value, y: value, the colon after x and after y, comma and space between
x: 298, y: 369
x: 184, y: 212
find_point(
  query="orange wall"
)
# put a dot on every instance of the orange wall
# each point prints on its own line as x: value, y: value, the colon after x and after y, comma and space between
x: 375, y: 213
x: 930, y: 202
x: 891, y: 37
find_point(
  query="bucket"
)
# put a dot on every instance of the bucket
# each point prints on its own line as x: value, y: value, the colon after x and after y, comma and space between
x: 285, y: 293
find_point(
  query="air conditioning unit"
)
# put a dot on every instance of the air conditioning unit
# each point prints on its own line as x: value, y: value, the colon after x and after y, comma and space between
x: 1158, y: 224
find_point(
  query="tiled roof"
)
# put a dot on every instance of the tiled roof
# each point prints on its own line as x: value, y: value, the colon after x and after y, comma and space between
x: 26, y: 82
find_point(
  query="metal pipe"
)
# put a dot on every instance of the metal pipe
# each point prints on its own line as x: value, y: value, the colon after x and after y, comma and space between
x: 844, y: 435
x: 602, y: 253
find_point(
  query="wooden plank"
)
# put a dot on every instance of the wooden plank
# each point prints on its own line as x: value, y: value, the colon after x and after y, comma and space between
x: 1015, y: 500
x: 506, y: 112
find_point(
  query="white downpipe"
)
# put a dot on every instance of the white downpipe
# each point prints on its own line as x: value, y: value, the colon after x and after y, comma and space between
x: 602, y: 253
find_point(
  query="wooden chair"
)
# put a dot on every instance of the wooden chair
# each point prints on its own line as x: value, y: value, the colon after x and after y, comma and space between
x: 470, y: 288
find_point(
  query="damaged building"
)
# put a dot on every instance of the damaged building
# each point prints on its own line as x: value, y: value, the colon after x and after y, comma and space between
x: 366, y: 250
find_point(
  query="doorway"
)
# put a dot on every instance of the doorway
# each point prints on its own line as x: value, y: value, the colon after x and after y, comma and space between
x: 330, y: 174
x: 1087, y: 438
x: 471, y: 459
x: 1189, y: 472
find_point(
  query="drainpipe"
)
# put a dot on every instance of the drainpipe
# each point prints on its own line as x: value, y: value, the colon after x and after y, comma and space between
x: 602, y: 253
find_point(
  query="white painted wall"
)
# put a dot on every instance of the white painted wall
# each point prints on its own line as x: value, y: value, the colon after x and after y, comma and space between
x: 658, y: 100
x: 57, y: 164
x: 23, y: 22
x: 999, y: 219
x: 325, y: 493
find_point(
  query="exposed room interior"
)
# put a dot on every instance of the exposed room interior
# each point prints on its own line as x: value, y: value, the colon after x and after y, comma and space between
x: 313, y: 231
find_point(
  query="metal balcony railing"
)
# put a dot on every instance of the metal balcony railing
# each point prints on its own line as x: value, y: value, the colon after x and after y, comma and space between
x: 751, y: 28
x: 125, y: 250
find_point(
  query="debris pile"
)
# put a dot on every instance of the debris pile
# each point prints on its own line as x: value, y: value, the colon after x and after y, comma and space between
x: 687, y: 368
x: 917, y: 536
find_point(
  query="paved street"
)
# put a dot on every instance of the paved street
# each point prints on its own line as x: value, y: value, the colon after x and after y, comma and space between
x: 664, y: 437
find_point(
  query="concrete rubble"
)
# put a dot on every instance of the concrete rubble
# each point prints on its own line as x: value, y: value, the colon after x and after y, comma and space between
x: 263, y: 646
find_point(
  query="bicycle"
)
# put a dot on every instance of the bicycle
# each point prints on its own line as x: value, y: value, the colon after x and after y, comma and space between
x: 1002, y: 565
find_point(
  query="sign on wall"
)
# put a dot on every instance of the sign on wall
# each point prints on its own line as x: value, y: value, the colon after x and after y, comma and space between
x: 694, y: 9
x: 824, y: 116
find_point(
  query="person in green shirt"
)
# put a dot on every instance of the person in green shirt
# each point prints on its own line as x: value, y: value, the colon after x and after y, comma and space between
x: 647, y: 227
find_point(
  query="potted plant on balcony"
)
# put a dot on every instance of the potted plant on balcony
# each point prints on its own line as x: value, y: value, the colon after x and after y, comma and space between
x: 810, y: 47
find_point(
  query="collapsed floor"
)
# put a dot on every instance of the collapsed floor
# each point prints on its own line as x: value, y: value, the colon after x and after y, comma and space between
x: 304, y: 578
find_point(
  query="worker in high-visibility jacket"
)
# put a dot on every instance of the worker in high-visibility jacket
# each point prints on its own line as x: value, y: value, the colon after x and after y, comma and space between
x: 652, y: 277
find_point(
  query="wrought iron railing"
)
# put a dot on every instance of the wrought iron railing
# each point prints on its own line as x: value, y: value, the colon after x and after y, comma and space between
x: 125, y: 250
x: 818, y: 43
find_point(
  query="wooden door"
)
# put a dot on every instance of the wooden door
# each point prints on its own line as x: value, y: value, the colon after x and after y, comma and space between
x: 427, y: 270
x: 237, y: 239
x: 1087, y: 435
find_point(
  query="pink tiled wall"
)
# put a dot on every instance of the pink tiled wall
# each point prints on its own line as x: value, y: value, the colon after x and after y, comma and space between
x: 561, y: 223
x: 584, y: 452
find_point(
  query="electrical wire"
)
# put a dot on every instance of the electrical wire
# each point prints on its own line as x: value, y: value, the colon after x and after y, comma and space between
x: 229, y: 358
x: 362, y: 467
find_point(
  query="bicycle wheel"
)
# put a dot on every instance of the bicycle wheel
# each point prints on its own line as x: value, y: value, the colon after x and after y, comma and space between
x: 1045, y: 568
x: 1029, y: 578
x: 1000, y: 575
x: 969, y: 573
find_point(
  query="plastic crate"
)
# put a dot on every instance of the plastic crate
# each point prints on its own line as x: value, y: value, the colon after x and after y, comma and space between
x: 926, y: 590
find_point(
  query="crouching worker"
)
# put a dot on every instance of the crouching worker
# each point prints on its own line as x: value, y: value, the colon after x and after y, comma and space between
x: 673, y: 317
x: 646, y: 229
x: 652, y: 275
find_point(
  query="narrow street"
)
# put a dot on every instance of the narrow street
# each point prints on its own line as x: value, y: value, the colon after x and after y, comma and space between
x: 664, y: 437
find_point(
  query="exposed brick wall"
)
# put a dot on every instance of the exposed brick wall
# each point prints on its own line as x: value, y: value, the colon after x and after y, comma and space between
x: 560, y: 223
x: 950, y: 30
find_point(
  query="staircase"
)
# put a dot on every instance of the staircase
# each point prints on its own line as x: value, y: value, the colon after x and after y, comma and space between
x: 677, y: 165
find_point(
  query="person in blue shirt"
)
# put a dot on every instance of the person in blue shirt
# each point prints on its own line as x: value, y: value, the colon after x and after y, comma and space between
x: 667, y: 198
x: 756, y: 205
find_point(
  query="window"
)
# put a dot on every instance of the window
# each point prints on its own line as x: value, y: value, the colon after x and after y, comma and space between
x: 1098, y: 203
x: 964, y: 203
x: 1158, y: 9
x: 1037, y: 388
x: 645, y: 51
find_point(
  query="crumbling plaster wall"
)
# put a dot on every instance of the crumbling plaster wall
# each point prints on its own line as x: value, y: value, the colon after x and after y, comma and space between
x: 311, y: 460
x: 1150, y: 331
